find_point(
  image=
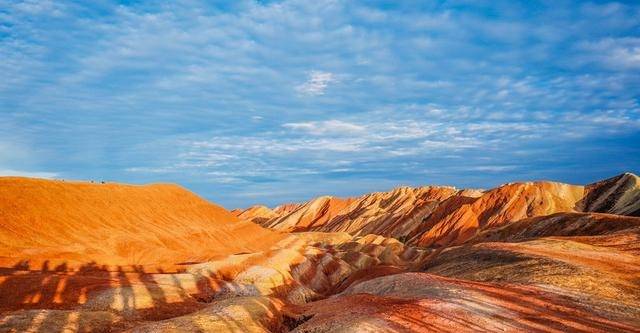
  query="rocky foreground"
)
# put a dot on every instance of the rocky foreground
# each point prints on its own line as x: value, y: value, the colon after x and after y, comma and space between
x: 533, y: 257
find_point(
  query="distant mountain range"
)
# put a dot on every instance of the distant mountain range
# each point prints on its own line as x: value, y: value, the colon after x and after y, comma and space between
x: 444, y: 216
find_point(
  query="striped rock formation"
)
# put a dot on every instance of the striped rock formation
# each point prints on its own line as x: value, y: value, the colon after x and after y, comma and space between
x: 443, y: 216
x: 616, y: 195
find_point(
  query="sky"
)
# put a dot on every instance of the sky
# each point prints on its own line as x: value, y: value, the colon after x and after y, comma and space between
x: 265, y: 102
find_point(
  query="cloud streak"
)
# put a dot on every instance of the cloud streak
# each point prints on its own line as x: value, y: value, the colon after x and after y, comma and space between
x: 326, y: 127
x: 31, y: 174
x: 317, y: 83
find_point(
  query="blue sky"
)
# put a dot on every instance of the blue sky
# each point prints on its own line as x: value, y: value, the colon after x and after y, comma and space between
x: 271, y: 101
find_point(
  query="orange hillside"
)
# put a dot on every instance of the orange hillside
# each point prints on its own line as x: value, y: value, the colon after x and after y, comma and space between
x: 114, y: 224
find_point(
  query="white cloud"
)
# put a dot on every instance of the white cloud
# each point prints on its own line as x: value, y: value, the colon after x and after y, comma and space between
x: 163, y: 170
x: 314, y: 147
x: 616, y: 53
x: 326, y: 127
x: 317, y: 83
x: 492, y: 168
x: 626, y: 57
x: 36, y: 7
x: 32, y: 174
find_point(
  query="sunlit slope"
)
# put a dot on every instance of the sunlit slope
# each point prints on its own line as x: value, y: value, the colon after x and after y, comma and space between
x: 115, y: 224
x: 615, y: 195
x: 309, y: 216
x: 504, y: 204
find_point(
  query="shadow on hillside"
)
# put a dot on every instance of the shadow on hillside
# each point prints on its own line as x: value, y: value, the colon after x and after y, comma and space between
x: 95, y: 298
x: 23, y: 287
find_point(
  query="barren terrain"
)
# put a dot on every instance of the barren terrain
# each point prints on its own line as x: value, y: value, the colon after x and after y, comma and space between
x: 534, y: 256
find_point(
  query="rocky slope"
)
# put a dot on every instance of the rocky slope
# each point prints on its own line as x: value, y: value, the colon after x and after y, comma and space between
x: 501, y: 205
x: 312, y: 215
x: 443, y: 216
x: 616, y: 195
x: 398, y: 213
x: 257, y: 214
x: 567, y: 272
x: 244, y: 292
